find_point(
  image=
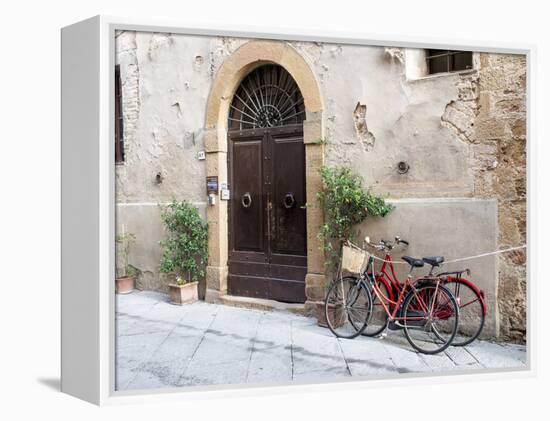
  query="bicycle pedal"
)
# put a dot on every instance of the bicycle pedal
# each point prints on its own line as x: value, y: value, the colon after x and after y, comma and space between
x: 394, y: 326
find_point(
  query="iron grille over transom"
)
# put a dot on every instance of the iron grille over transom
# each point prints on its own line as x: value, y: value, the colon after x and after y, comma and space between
x: 267, y: 97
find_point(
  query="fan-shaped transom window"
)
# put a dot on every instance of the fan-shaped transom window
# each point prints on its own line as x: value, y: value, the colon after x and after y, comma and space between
x: 267, y: 97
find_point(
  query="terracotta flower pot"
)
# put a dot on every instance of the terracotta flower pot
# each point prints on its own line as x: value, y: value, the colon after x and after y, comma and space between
x: 335, y: 312
x: 124, y: 285
x: 185, y: 293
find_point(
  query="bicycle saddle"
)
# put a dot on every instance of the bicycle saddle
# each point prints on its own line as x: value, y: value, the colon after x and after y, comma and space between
x: 434, y: 260
x: 413, y: 261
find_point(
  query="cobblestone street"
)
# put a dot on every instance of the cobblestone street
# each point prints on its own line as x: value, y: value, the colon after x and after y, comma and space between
x: 162, y: 345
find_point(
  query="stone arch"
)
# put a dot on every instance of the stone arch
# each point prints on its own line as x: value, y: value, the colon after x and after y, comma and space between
x: 232, y: 71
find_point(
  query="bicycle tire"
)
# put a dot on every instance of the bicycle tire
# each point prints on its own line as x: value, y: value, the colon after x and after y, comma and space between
x: 333, y: 318
x: 465, y: 313
x: 413, y: 326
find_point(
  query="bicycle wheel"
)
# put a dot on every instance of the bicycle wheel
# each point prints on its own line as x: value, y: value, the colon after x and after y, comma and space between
x: 430, y: 318
x: 347, y: 307
x: 472, y: 312
x: 379, y: 318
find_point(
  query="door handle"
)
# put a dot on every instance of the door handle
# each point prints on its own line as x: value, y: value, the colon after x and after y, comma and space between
x: 289, y: 201
x: 246, y: 200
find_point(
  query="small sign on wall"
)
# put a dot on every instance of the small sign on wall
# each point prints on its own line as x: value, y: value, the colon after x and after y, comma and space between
x: 212, y: 184
x: 224, y: 191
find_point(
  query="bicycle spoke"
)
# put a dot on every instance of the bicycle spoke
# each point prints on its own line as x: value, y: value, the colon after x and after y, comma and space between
x: 430, y: 331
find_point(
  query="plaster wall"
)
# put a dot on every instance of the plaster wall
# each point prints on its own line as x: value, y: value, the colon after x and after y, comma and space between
x: 403, y: 117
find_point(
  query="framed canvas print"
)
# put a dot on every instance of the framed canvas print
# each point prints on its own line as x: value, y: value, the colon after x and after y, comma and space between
x: 279, y: 209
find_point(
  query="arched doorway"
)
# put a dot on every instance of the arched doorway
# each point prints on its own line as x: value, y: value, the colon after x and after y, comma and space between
x: 266, y: 164
x: 227, y: 81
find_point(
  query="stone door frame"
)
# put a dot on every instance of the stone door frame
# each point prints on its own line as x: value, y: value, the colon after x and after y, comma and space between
x: 232, y: 71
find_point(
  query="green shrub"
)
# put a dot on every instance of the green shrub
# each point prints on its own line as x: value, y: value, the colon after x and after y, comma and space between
x: 345, y: 204
x: 122, y: 243
x: 185, y: 250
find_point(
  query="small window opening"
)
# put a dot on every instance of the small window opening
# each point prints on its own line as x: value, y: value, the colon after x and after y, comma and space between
x: 445, y: 61
x: 119, y: 141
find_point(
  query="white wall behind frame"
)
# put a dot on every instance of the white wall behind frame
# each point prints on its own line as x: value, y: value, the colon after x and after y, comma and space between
x: 32, y: 360
x: 309, y: 400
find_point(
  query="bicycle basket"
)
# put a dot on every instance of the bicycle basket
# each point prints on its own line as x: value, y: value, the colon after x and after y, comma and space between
x: 353, y: 259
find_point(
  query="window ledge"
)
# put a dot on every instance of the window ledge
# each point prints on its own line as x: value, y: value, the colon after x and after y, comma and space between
x: 443, y: 74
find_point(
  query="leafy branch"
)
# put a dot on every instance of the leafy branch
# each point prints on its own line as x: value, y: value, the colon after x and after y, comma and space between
x: 345, y: 204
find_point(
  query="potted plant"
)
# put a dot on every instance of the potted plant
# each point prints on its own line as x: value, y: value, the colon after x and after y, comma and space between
x: 125, y: 274
x: 185, y: 250
x: 345, y: 204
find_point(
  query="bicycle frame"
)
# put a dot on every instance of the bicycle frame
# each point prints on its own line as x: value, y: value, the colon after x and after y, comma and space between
x: 393, y: 278
x: 393, y: 284
x: 403, y: 291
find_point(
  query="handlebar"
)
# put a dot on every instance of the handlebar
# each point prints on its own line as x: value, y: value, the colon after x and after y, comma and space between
x: 400, y: 241
x: 386, y: 244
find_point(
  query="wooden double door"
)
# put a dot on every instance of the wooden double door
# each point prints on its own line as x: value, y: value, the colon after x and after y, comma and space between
x: 267, y: 217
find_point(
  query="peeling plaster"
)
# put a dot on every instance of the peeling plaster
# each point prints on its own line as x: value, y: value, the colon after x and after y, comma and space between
x: 460, y: 113
x: 395, y: 54
x: 157, y: 44
x: 359, y: 119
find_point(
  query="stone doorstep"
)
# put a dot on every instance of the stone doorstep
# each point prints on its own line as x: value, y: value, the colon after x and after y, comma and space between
x: 262, y: 304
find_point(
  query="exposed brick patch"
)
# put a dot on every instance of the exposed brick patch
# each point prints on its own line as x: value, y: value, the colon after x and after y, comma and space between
x: 126, y: 58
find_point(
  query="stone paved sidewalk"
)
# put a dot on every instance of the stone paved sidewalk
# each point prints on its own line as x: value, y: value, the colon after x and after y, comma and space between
x: 162, y: 345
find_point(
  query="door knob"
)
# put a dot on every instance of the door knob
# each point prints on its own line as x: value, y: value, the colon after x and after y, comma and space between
x: 246, y: 200
x: 289, y: 201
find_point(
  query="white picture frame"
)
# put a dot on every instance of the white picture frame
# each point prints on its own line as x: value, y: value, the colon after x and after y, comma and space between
x: 88, y: 211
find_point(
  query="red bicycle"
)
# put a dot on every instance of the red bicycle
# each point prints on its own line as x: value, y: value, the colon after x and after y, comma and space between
x: 470, y: 298
x: 426, y: 310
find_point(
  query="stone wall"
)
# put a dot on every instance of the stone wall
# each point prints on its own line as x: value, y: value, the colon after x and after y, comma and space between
x: 500, y: 167
x: 490, y: 117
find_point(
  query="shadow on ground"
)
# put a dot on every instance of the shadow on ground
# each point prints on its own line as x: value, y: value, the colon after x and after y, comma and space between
x: 53, y: 383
